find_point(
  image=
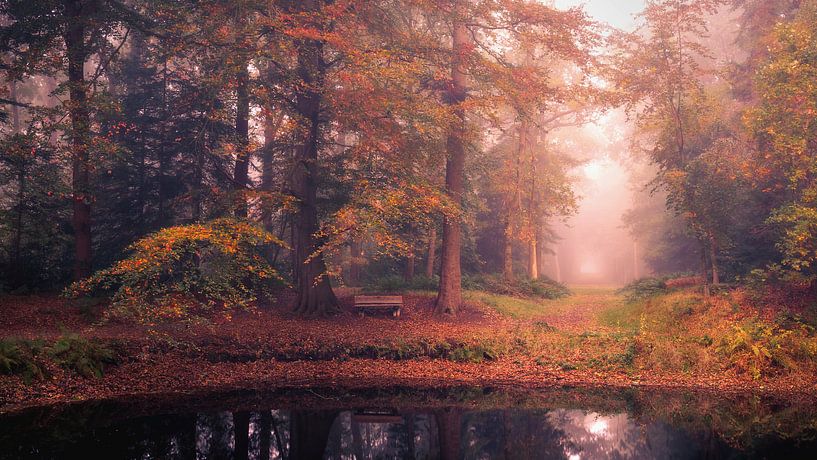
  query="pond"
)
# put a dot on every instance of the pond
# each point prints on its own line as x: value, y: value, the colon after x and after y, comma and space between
x: 401, y: 423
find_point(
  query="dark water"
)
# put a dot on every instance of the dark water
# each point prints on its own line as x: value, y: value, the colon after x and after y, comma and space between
x: 397, y: 424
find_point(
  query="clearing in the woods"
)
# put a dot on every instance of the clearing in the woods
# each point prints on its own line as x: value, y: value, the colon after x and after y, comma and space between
x: 593, y: 337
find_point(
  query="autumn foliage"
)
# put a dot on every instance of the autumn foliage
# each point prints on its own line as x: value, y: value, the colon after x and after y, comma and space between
x: 184, y: 270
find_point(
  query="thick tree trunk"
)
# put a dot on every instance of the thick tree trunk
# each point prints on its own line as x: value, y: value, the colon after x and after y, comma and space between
x: 449, y: 297
x: 432, y: 252
x: 314, y: 293
x: 241, y: 435
x: 242, y: 131
x: 78, y: 13
x: 533, y: 263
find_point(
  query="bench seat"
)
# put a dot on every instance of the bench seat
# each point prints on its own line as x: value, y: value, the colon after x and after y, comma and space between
x: 378, y: 304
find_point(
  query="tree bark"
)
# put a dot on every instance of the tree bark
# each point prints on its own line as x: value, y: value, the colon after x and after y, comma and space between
x: 21, y: 181
x: 242, y: 131
x: 507, y: 255
x: 713, y: 259
x: 533, y: 264
x: 449, y: 297
x: 408, y: 274
x: 354, y: 262
x: 78, y: 13
x: 432, y: 252
x: 314, y: 292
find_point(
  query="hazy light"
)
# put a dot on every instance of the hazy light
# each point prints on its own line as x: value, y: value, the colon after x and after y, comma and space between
x: 588, y: 267
x: 594, y: 170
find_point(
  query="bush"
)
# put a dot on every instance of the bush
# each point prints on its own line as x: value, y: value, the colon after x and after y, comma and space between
x: 759, y: 347
x: 644, y: 288
x: 396, y: 283
x: 180, y: 270
x: 82, y: 356
x: 21, y: 358
x: 543, y: 288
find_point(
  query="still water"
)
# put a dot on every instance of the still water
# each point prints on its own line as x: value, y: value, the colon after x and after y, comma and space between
x: 467, y: 424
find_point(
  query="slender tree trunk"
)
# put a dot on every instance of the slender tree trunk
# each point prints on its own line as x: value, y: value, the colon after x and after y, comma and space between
x: 163, y: 166
x: 704, y: 274
x: 558, y: 266
x: 241, y: 433
x: 21, y: 181
x: 314, y: 293
x: 432, y: 252
x: 408, y: 274
x: 636, y: 275
x: 78, y: 13
x: 354, y: 262
x: 271, y: 127
x: 713, y: 259
x: 507, y: 256
x: 449, y: 297
x: 242, y: 131
x: 198, y: 180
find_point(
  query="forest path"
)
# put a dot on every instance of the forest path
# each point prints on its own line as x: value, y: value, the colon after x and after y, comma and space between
x: 581, y: 311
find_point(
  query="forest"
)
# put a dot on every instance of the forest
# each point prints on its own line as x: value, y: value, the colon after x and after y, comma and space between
x: 201, y: 196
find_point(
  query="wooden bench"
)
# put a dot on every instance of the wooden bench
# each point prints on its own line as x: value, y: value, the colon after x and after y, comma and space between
x: 378, y: 304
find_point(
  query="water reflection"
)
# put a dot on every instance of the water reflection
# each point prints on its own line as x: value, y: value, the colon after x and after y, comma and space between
x: 445, y: 433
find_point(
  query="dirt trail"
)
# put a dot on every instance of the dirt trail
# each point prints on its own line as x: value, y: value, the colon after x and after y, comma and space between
x: 580, y: 312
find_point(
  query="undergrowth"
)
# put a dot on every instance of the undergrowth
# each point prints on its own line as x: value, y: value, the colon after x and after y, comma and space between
x: 30, y: 359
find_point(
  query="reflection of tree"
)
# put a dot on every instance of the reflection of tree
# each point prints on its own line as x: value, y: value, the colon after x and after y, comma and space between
x: 309, y: 433
x: 513, y: 434
x: 449, y: 427
x: 241, y: 433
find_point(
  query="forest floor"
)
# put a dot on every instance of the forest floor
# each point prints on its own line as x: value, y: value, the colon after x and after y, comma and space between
x: 591, y: 338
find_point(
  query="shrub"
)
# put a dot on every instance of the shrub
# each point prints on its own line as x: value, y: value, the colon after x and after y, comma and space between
x: 644, y: 288
x: 21, y: 358
x: 760, y: 347
x: 179, y: 270
x: 81, y: 355
x: 543, y: 288
x: 396, y: 283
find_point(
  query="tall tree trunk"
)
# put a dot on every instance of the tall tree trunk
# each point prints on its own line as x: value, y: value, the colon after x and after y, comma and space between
x: 507, y: 254
x: 354, y: 261
x: 271, y: 127
x: 21, y: 181
x: 241, y: 435
x: 432, y: 252
x: 408, y: 274
x: 163, y: 166
x: 636, y: 275
x: 557, y: 265
x: 449, y: 297
x: 78, y: 13
x: 533, y: 263
x: 704, y: 273
x: 713, y: 259
x: 314, y: 293
x: 242, y: 131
